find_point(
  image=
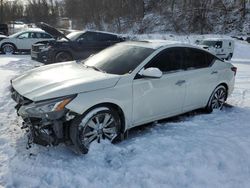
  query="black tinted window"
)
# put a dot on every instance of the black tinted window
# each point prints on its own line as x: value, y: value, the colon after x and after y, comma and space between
x: 119, y: 59
x: 168, y: 60
x: 195, y: 58
x: 88, y: 36
x: 218, y: 44
x: 46, y: 36
x: 106, y: 37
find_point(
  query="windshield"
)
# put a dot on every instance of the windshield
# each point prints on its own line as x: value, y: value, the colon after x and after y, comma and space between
x: 119, y: 59
x: 74, y: 35
x: 209, y: 43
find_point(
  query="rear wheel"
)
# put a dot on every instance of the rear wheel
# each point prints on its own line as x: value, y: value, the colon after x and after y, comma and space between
x: 63, y: 57
x: 229, y: 57
x: 98, y: 124
x: 8, y: 48
x: 217, y: 99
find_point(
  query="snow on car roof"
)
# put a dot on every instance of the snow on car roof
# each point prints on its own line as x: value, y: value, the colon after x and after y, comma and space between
x: 34, y: 29
x: 104, y: 32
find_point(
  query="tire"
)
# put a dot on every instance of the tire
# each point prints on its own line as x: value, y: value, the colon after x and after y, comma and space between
x: 229, y: 57
x: 63, y: 57
x: 217, y: 99
x: 97, y: 124
x: 8, y: 49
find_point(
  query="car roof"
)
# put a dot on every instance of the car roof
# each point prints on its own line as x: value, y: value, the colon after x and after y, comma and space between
x: 34, y: 30
x: 156, y: 44
x: 102, y: 32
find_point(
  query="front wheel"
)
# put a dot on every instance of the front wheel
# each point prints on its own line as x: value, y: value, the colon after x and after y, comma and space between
x: 229, y: 57
x: 63, y: 57
x: 217, y: 99
x: 8, y: 49
x: 98, y: 124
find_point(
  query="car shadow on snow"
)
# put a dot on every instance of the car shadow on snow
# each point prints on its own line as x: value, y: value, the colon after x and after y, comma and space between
x: 146, y: 128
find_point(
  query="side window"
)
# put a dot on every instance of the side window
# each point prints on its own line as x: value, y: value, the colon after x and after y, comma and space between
x: 218, y: 44
x: 39, y: 35
x: 195, y: 58
x: 230, y: 44
x: 46, y: 36
x: 33, y: 35
x: 24, y: 36
x: 87, y: 37
x: 106, y: 37
x: 168, y: 60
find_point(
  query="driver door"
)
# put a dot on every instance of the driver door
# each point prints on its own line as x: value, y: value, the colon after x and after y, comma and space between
x: 157, y: 98
x: 23, y: 41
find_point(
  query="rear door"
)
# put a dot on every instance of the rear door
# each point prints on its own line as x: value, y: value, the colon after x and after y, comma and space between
x: 201, y: 77
x: 158, y: 98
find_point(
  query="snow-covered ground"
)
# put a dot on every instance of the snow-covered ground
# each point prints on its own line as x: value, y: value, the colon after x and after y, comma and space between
x: 202, y: 150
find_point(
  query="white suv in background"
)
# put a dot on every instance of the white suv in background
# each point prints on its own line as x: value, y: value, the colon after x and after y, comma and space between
x: 223, y: 48
x: 22, y: 41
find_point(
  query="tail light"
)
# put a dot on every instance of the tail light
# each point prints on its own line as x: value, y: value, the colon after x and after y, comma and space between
x: 234, y: 69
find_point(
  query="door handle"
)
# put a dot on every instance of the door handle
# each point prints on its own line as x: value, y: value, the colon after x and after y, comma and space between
x: 180, y: 82
x: 214, y: 72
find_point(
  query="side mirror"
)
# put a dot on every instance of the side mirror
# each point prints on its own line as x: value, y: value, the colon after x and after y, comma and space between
x: 151, y: 72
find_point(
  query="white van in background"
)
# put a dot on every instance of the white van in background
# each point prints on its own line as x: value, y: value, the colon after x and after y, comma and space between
x: 223, y: 48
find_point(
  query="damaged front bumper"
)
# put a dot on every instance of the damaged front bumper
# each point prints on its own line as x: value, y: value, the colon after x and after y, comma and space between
x: 45, y: 122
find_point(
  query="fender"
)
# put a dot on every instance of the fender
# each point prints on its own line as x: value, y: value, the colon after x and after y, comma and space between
x: 121, y: 97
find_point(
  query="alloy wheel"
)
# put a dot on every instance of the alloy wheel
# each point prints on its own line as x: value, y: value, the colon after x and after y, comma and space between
x: 218, y: 98
x: 100, y: 126
x: 8, y: 49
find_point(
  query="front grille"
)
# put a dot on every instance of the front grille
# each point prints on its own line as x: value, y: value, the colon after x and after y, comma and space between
x: 35, y: 48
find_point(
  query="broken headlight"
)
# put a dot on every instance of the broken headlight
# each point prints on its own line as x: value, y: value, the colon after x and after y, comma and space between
x: 45, y: 107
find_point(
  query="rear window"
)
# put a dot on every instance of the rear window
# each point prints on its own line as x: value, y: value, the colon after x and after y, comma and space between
x: 195, y: 58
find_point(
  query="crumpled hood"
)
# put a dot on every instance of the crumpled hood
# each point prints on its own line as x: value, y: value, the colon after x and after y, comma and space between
x: 61, y: 79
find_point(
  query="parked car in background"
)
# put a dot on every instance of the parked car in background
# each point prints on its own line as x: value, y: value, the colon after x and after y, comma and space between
x: 248, y: 39
x: 223, y: 48
x: 123, y: 86
x: 4, y: 29
x: 22, y: 41
x: 76, y: 45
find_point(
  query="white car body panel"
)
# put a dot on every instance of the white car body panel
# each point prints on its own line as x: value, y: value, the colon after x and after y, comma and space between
x: 141, y: 100
x: 154, y: 98
x: 197, y: 93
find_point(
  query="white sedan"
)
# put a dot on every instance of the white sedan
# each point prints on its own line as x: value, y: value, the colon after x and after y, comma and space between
x: 22, y: 41
x: 124, y: 86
